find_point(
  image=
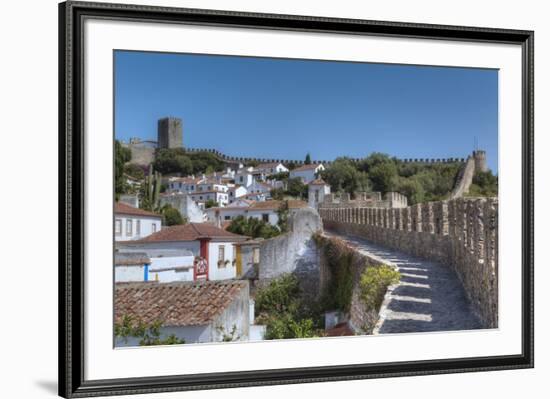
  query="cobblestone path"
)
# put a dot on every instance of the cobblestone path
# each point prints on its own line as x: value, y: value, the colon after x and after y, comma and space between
x: 429, y: 296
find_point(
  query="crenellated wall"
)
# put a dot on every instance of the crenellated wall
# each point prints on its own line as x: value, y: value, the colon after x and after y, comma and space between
x: 462, y: 233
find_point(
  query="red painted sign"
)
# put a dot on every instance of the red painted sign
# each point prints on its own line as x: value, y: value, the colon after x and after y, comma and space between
x: 201, y: 262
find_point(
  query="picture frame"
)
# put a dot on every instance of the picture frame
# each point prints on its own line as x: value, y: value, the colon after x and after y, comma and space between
x: 72, y: 205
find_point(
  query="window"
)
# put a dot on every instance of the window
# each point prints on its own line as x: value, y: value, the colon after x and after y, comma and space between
x: 256, y: 255
x: 129, y: 227
x: 265, y: 217
x: 154, y: 227
x: 138, y: 227
x: 221, y: 256
x: 227, y: 217
x: 118, y: 227
x: 316, y: 195
x: 241, y: 179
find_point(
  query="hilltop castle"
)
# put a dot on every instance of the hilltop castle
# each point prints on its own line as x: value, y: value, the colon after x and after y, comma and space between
x: 170, y: 135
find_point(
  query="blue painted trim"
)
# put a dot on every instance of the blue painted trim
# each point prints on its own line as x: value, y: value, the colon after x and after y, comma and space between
x: 146, y: 272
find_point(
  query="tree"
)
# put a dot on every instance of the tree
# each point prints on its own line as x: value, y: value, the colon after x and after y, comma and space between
x: 296, y: 188
x: 172, y: 217
x: 211, y: 204
x: 172, y: 160
x: 122, y: 155
x: 343, y: 176
x: 134, y: 171
x: 252, y: 227
x: 383, y: 176
x: 308, y: 159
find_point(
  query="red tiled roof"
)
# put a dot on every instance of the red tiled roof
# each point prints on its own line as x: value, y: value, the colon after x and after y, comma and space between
x: 176, y: 304
x: 268, y: 165
x: 191, y: 232
x: 126, y: 209
x: 306, y: 167
x: 319, y: 182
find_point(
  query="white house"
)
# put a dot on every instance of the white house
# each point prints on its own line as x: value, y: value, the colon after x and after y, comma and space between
x: 317, y: 190
x: 244, y: 176
x: 213, y: 248
x: 211, y: 185
x: 259, y: 188
x: 183, y: 184
x: 134, y: 223
x: 236, y: 192
x: 307, y: 173
x: 156, y: 265
x: 262, y: 210
x: 271, y: 168
x: 207, y: 311
x: 201, y: 197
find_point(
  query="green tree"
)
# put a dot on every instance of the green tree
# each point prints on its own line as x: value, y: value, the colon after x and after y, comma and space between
x: 343, y: 176
x: 122, y: 155
x: 252, y: 227
x: 383, y: 176
x: 172, y: 217
x: 296, y: 188
x: 484, y: 184
x: 308, y: 159
x: 211, y: 204
x: 172, y: 160
x: 134, y: 171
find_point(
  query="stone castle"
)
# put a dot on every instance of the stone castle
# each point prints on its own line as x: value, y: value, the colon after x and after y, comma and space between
x: 170, y: 135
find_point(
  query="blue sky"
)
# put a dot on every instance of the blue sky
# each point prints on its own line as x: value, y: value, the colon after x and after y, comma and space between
x: 277, y: 108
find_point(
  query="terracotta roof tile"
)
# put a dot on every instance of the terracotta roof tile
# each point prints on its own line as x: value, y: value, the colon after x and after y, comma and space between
x: 176, y: 304
x: 191, y: 232
x: 319, y: 182
x: 126, y: 209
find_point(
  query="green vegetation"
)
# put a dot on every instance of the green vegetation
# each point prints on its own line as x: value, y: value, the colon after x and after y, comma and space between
x: 484, y: 184
x: 122, y: 155
x: 177, y: 160
x: 150, y: 191
x: 307, y: 161
x: 419, y: 182
x: 148, y: 334
x: 374, y: 284
x: 340, y: 261
x: 295, y: 188
x: 281, y: 309
x: 344, y: 176
x: 134, y: 171
x: 211, y: 204
x: 171, y: 216
x: 253, y: 227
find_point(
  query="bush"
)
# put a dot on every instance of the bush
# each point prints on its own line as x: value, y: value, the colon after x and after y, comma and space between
x: 280, y: 308
x: 148, y: 334
x: 374, y: 283
x: 172, y: 217
x: 253, y: 227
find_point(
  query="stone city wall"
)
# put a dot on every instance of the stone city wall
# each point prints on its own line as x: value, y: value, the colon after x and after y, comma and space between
x: 462, y: 233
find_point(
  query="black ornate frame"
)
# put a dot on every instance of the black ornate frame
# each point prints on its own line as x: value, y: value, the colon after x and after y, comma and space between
x: 71, y: 205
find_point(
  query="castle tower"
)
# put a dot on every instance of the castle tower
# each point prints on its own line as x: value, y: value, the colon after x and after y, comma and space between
x: 170, y: 133
x: 480, y: 159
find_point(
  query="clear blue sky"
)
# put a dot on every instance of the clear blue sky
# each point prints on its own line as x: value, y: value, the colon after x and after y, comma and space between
x: 276, y: 108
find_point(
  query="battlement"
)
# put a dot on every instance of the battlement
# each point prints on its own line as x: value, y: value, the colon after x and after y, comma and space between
x: 372, y: 199
x: 298, y: 162
x: 461, y: 233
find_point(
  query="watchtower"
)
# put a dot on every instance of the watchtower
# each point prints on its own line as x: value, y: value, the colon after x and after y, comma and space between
x: 170, y: 133
x: 480, y: 159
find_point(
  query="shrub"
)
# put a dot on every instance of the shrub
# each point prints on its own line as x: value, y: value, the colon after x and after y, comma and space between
x: 280, y: 308
x: 374, y: 283
x: 148, y: 334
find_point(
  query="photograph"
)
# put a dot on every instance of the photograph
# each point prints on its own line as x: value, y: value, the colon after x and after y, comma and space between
x: 262, y: 198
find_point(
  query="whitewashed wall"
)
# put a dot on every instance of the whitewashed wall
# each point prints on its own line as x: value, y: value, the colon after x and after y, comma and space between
x: 221, y: 272
x: 146, y: 227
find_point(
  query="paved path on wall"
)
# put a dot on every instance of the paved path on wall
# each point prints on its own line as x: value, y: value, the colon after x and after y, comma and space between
x: 429, y: 297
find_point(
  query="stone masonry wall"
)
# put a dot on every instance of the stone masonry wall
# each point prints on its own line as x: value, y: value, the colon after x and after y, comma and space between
x: 462, y: 233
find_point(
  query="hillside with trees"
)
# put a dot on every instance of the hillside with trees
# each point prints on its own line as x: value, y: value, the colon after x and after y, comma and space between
x: 419, y: 182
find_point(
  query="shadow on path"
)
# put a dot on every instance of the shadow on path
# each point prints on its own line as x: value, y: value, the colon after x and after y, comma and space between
x: 429, y: 297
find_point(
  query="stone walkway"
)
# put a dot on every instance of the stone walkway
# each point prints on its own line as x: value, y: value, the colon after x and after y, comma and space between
x: 429, y: 296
